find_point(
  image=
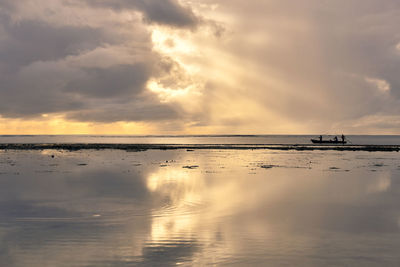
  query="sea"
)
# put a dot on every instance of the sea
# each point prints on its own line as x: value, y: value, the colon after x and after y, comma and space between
x: 199, y: 207
x: 197, y: 139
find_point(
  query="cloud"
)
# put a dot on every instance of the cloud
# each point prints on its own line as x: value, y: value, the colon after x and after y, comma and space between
x: 143, y: 108
x: 91, y: 69
x: 29, y: 41
x: 168, y: 12
x: 276, y: 67
x: 303, y: 64
x: 115, y: 81
x: 381, y: 85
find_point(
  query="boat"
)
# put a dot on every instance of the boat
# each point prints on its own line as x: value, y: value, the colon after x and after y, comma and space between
x: 318, y: 141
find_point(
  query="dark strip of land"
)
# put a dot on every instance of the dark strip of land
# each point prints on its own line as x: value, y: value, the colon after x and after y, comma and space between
x: 142, y: 147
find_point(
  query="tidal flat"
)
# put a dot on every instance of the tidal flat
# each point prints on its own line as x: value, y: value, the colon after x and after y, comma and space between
x: 229, y: 207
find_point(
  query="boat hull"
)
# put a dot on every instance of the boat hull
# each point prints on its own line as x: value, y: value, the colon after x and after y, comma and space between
x: 317, y: 141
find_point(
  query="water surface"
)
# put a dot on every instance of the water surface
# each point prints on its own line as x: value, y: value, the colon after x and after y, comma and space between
x: 201, y: 207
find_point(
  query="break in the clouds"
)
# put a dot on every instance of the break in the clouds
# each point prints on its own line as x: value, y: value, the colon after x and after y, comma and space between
x: 204, y: 66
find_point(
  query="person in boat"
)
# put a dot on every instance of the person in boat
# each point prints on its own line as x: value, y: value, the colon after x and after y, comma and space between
x: 335, y: 139
x: 343, y: 137
x: 320, y: 138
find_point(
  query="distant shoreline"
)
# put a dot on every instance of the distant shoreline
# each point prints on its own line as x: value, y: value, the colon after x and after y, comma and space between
x: 142, y: 147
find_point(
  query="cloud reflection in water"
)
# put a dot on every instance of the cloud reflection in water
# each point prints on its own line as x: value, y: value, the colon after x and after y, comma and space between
x: 144, y: 208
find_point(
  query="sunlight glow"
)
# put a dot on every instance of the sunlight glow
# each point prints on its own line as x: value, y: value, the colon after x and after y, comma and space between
x: 58, y: 124
x: 169, y: 42
x: 168, y: 94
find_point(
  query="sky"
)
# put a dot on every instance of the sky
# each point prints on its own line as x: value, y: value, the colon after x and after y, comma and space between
x: 199, y: 67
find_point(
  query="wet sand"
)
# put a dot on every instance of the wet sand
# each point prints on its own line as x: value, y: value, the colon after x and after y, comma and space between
x: 190, y: 206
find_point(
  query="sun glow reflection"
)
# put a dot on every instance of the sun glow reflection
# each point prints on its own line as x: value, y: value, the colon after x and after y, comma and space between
x: 183, y: 191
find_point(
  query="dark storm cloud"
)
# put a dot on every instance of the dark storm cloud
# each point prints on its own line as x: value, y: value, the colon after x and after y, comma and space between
x: 51, y: 61
x: 29, y: 41
x: 29, y: 95
x: 168, y: 12
x: 7, y: 5
x: 111, y: 82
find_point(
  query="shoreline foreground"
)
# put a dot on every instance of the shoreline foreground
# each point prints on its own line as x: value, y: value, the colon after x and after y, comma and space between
x: 143, y: 147
x: 167, y: 205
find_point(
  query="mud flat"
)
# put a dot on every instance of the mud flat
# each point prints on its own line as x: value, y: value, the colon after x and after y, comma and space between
x: 142, y: 147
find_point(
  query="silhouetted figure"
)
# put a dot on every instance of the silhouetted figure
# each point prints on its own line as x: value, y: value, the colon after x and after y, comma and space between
x: 335, y: 139
x: 320, y: 138
x: 343, y: 137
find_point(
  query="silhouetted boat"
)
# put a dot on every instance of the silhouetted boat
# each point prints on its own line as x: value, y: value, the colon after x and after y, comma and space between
x: 317, y: 141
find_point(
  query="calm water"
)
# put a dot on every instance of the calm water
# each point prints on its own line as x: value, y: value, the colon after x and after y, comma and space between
x: 201, y: 207
x: 209, y: 139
